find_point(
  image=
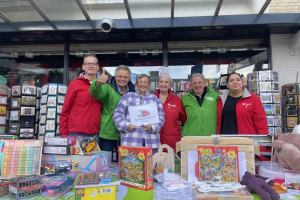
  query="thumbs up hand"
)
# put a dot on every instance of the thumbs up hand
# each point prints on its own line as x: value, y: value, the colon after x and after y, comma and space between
x: 103, y: 78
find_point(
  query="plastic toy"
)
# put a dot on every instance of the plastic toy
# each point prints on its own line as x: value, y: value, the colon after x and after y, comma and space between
x: 87, y: 178
x: 60, y: 186
x: 87, y: 144
x: 55, y: 168
x: 25, y: 186
x: 4, y: 188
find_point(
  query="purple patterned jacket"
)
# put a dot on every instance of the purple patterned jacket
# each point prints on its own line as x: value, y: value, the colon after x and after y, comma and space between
x: 122, y: 120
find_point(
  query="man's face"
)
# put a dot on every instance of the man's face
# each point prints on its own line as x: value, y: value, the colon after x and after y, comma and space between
x: 197, y: 85
x: 90, y: 65
x: 122, y: 78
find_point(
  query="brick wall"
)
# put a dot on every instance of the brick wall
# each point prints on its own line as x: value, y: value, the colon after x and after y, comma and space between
x: 284, y: 6
x: 282, y: 61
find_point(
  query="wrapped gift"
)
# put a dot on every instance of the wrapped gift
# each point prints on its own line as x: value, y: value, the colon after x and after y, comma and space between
x: 136, y: 167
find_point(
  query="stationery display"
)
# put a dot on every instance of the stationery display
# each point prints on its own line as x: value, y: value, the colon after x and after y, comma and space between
x: 53, y: 96
x: 3, y: 111
x: 291, y: 106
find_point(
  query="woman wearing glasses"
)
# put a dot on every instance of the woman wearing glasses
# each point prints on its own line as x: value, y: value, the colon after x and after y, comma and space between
x: 239, y: 111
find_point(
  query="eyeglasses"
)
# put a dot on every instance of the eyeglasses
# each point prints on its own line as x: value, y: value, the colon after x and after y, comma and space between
x: 93, y: 64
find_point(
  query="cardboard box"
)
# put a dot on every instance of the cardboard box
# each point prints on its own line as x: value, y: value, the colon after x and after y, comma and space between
x: 241, y: 194
x: 98, y: 192
x: 190, y: 143
x: 95, y: 162
x: 136, y: 167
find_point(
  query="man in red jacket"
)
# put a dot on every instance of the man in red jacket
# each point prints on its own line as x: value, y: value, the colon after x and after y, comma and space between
x: 80, y: 114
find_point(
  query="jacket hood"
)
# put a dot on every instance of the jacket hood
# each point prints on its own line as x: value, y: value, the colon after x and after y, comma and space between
x: 156, y: 93
x: 225, y: 94
x: 81, y: 76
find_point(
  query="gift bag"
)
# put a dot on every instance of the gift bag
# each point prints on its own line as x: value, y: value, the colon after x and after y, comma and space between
x: 162, y: 160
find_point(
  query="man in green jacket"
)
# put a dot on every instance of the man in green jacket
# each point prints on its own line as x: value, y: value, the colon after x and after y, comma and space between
x: 200, y: 105
x: 109, y: 95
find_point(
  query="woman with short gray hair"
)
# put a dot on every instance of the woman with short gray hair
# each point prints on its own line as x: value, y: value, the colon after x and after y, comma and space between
x: 170, y: 133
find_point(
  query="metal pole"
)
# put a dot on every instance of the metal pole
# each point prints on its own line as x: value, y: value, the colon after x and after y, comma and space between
x: 165, y: 53
x: 66, y: 62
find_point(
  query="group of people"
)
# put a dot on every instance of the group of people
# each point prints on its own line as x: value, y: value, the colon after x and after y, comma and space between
x: 96, y: 105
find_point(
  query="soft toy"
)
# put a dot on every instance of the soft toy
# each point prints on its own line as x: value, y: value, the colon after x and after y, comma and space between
x: 259, y: 185
x: 287, y: 151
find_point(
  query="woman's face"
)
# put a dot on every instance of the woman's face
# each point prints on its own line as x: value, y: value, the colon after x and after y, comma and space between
x: 164, y: 84
x: 143, y: 85
x: 235, y: 83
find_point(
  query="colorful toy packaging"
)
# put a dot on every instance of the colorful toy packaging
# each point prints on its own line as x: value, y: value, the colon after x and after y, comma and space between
x: 136, y: 167
x: 25, y: 186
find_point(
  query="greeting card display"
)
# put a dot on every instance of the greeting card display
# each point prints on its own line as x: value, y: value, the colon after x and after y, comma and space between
x: 275, y: 87
x: 28, y: 101
x: 52, y: 90
x: 290, y: 88
x: 218, y: 161
x: 291, y: 122
x: 2, y: 120
x: 268, y: 108
x: 27, y: 121
x: 59, y: 109
x: 291, y: 110
x: 4, y: 90
x: 265, y: 87
x: 291, y: 100
x: 270, y: 120
x: 15, y: 103
x: 276, y: 98
x: 51, y: 113
x: 21, y: 157
x: 29, y: 90
x: 26, y: 133
x: 51, y: 101
x: 44, y: 99
x: 3, y: 100
x: 60, y: 99
x: 62, y: 89
x: 266, y: 97
x: 14, y: 115
x: 276, y: 109
x: 277, y: 120
x: 136, y: 167
x: 27, y: 111
x: 265, y: 75
x: 16, y: 91
x: 45, y: 89
x: 14, y: 128
x: 43, y: 119
x: 2, y: 110
x: 50, y: 125
x: 43, y: 109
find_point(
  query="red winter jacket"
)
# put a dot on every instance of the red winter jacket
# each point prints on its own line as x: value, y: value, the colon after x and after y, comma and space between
x: 81, y: 111
x: 250, y: 114
x: 170, y: 133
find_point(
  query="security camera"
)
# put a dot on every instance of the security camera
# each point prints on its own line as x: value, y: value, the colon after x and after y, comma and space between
x: 107, y: 24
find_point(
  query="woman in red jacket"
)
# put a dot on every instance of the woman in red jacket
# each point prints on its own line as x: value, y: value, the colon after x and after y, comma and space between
x: 170, y: 133
x: 239, y: 111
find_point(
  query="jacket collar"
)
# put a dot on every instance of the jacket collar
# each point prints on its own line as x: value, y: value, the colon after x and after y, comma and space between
x: 112, y: 82
x: 138, y: 92
x: 156, y: 93
x: 225, y: 94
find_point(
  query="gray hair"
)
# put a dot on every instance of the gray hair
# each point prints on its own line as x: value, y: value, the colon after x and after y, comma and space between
x: 197, y: 75
x: 123, y: 67
x: 142, y: 76
x: 168, y: 76
x: 90, y: 55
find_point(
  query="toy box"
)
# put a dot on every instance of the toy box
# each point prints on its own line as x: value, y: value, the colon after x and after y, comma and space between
x: 4, y: 188
x: 25, y: 186
x: 95, y: 162
x: 190, y: 143
x: 136, y: 167
x: 90, y: 192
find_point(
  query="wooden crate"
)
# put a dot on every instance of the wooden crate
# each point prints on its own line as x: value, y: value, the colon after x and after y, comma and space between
x: 190, y: 143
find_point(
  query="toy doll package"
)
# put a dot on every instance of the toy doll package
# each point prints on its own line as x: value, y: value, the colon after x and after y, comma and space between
x: 136, y: 167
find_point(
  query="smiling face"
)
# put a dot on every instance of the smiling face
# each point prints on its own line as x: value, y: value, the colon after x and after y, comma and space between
x: 122, y: 78
x: 90, y: 66
x: 143, y: 85
x: 235, y: 83
x: 164, y: 84
x: 197, y: 85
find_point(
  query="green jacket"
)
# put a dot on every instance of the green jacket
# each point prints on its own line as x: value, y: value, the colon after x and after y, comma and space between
x: 201, y: 121
x: 109, y: 98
